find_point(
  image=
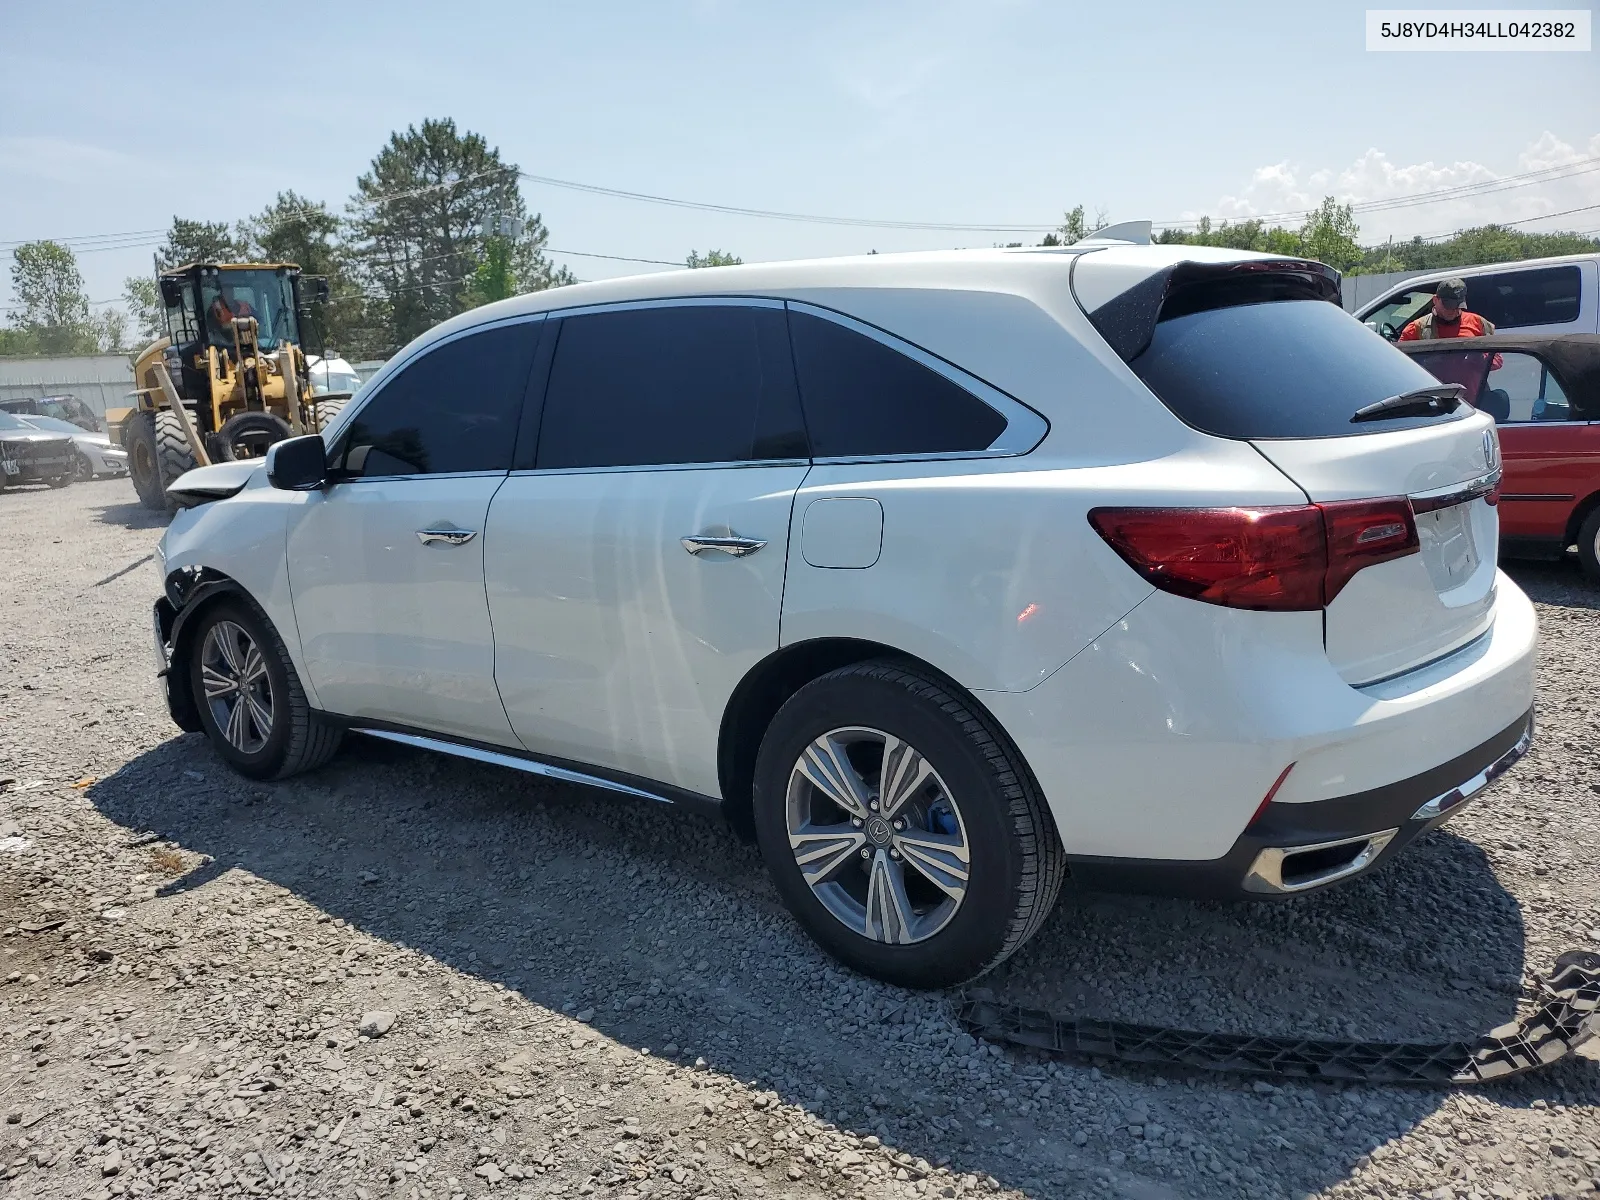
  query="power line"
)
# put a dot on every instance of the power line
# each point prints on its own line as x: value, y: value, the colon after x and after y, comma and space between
x: 778, y: 215
x: 132, y: 239
x: 1461, y: 191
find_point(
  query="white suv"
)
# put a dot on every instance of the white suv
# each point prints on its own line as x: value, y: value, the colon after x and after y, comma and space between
x: 946, y: 577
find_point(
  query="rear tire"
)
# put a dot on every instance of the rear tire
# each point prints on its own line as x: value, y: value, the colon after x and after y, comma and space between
x: 237, y: 653
x: 1589, y: 545
x: 327, y: 410
x: 974, y: 816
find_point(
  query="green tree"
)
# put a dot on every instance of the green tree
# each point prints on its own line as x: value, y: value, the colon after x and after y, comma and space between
x: 111, y: 331
x: 294, y: 229
x: 52, y: 309
x: 712, y: 258
x: 418, y: 221
x: 143, y: 300
x: 1075, y: 226
x: 198, y: 241
x: 1329, y: 235
x: 1478, y: 246
x: 17, y: 343
x: 495, y: 278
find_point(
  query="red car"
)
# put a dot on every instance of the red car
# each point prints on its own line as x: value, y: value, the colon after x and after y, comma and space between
x: 1544, y: 394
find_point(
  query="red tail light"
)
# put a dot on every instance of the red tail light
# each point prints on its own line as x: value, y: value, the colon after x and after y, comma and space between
x: 1286, y: 559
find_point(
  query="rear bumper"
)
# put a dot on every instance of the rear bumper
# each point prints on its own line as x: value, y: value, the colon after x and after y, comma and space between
x: 1156, y: 746
x: 1294, y: 848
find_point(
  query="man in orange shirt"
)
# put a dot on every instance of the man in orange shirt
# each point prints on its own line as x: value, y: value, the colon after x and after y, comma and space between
x: 1449, y: 318
x: 226, y: 307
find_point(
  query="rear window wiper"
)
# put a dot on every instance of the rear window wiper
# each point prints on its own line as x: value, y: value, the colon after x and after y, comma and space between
x: 1419, y: 402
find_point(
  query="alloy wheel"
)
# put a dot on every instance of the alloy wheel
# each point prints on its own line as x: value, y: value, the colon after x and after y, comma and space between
x: 238, y: 688
x: 877, y: 835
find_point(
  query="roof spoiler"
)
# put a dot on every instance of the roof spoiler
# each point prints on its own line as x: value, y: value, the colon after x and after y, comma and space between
x: 1128, y: 319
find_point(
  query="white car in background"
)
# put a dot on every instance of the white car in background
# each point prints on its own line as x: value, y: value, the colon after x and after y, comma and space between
x: 947, y: 577
x: 1537, y: 295
x: 97, y: 458
x: 331, y: 375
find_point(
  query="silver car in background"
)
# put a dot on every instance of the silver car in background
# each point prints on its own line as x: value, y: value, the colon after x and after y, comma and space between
x: 97, y: 458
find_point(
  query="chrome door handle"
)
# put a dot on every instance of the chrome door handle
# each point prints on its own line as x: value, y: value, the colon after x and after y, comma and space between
x: 698, y: 544
x: 450, y: 537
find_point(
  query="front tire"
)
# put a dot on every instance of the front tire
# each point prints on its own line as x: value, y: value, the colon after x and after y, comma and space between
x: 249, y: 697
x: 901, y: 829
x: 158, y: 452
x: 83, y: 469
x: 1589, y: 545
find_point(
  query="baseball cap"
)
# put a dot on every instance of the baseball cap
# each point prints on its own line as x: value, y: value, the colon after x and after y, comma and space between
x: 1452, y: 291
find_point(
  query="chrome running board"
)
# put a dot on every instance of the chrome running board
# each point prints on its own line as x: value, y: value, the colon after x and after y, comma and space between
x: 498, y: 759
x: 1448, y: 802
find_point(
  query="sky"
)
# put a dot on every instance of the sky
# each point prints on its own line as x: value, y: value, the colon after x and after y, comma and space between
x: 116, y: 116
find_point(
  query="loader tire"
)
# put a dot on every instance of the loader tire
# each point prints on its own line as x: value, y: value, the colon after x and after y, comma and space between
x: 248, y: 435
x: 327, y: 410
x: 158, y: 452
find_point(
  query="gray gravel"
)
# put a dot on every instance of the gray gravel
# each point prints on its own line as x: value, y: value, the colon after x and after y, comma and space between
x: 410, y: 976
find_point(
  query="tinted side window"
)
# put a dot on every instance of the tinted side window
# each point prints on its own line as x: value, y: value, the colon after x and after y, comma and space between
x: 1518, y: 298
x: 862, y: 397
x: 675, y: 383
x: 454, y: 409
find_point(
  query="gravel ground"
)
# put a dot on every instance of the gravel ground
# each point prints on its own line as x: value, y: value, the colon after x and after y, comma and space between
x: 408, y: 976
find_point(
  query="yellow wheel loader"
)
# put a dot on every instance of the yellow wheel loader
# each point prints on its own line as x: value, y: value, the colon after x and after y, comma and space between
x: 230, y: 377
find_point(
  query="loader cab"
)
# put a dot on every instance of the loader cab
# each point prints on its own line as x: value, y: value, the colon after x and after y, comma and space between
x: 202, y: 299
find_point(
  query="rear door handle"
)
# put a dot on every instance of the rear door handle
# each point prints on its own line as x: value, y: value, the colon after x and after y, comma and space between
x: 450, y: 537
x: 698, y: 544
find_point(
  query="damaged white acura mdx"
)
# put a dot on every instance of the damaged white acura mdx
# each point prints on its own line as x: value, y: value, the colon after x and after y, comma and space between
x: 946, y: 577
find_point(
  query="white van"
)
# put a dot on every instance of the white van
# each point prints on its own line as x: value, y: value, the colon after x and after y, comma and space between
x: 1536, y: 295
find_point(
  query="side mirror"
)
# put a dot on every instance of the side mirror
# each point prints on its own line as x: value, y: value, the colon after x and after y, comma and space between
x: 319, y: 291
x: 298, y: 464
x: 171, y: 291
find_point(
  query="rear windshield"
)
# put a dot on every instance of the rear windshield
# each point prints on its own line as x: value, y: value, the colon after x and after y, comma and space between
x: 1281, y: 369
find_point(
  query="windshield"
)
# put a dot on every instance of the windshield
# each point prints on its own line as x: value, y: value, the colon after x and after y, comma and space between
x: 1283, y: 369
x: 55, y: 425
x: 333, y: 379
x: 264, y: 295
x: 7, y: 421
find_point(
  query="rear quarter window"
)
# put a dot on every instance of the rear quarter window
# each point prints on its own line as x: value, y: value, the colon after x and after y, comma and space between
x: 1518, y: 299
x: 1277, y: 369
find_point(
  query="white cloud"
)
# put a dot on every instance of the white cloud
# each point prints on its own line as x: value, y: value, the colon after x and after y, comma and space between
x: 1288, y: 188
